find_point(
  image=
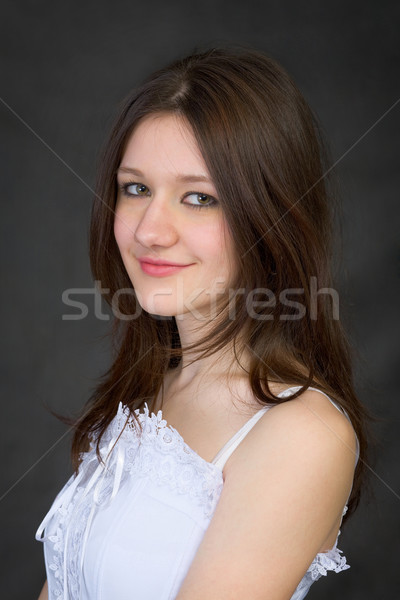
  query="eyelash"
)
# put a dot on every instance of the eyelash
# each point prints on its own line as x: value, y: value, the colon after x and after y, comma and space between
x: 124, y: 189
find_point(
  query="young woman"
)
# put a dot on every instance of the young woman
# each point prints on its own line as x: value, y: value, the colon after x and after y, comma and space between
x: 220, y: 452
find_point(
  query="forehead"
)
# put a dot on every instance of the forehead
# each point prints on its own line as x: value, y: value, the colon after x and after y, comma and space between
x: 164, y: 141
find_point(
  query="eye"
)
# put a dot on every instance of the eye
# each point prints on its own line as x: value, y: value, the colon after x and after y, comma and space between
x: 135, y: 189
x: 198, y: 200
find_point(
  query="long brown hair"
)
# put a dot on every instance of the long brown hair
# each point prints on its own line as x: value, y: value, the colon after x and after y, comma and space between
x: 262, y: 148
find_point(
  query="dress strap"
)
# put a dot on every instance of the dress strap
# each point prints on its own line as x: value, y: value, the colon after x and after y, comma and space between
x: 231, y: 445
x: 234, y: 442
x: 296, y: 388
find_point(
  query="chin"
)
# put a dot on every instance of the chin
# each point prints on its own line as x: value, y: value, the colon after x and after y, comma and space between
x: 160, y: 310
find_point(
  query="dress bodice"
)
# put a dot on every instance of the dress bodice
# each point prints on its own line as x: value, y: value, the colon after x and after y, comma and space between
x: 129, y: 526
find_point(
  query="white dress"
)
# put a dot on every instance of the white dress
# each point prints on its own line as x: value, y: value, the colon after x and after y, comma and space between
x: 129, y: 530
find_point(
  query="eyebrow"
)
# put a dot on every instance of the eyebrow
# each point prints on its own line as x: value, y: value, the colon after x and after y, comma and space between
x: 183, y: 178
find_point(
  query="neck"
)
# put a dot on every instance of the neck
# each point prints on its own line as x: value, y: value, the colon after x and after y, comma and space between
x: 192, y: 366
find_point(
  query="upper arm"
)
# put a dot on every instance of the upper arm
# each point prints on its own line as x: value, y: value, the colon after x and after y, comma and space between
x: 284, y: 492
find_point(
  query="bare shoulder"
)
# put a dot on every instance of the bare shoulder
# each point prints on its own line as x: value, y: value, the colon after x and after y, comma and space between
x: 303, y: 444
x: 309, y: 426
x: 284, y: 491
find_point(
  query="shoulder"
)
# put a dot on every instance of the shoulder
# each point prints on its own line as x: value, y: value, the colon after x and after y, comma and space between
x: 308, y: 448
x: 285, y: 488
x: 309, y: 426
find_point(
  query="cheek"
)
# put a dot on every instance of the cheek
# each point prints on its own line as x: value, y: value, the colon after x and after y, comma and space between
x: 218, y: 246
x: 228, y: 252
x: 123, y: 232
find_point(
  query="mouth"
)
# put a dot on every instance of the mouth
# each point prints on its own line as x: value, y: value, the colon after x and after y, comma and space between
x: 160, y: 268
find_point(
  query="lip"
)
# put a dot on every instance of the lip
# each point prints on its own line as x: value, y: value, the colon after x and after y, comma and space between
x: 160, y: 267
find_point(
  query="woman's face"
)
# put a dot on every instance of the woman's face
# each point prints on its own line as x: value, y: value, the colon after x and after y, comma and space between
x: 169, y: 225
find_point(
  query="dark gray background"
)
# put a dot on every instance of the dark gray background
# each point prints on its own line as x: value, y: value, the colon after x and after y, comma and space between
x: 65, y: 67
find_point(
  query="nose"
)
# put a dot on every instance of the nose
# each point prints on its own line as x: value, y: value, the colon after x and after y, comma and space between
x: 157, y: 226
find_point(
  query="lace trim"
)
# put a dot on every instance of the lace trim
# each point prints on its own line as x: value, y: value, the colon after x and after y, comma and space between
x: 327, y: 561
x: 62, y: 543
x: 322, y: 563
x: 177, y: 465
x: 157, y: 452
